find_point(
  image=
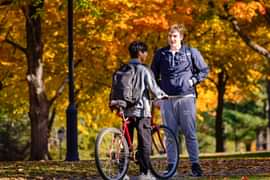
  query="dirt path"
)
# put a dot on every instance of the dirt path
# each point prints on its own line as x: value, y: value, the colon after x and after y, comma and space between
x: 86, y: 170
x: 224, y: 169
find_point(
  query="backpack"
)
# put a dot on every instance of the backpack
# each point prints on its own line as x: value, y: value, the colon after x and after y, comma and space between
x: 194, y: 68
x: 124, y: 92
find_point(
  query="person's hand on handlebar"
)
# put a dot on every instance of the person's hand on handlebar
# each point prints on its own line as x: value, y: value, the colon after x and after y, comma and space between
x: 157, y: 102
x: 165, y: 97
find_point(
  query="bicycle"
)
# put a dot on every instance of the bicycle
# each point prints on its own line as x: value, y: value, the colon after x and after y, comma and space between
x: 114, y: 149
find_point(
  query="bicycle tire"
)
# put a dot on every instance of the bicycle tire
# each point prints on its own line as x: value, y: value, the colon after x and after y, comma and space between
x: 111, y: 154
x: 159, y: 161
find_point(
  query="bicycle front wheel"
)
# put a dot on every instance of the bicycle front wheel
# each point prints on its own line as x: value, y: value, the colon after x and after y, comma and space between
x: 165, y: 152
x: 111, y: 154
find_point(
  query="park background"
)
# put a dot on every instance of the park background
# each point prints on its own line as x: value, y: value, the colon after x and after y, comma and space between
x: 233, y: 37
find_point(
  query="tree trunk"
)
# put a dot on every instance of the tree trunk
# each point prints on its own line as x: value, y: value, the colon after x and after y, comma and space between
x: 268, y: 115
x: 248, y: 146
x: 268, y: 102
x: 39, y: 104
x: 222, y: 79
x: 259, y: 140
x: 267, y: 139
x: 236, y: 141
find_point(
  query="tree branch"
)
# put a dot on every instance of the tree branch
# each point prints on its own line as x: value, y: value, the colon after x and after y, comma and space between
x: 2, y: 80
x: 5, y: 2
x: 253, y: 45
x: 103, y: 84
x: 15, y: 45
x: 212, y: 81
x: 267, y: 9
x: 61, y: 88
x: 267, y: 15
x: 51, y: 120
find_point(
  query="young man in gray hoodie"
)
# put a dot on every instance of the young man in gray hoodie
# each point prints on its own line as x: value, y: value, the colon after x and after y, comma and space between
x: 141, y: 111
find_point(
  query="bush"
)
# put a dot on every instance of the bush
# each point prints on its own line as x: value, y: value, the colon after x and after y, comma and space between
x: 14, y: 138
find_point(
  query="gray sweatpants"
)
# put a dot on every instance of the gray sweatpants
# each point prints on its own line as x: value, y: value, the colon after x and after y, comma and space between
x: 180, y: 114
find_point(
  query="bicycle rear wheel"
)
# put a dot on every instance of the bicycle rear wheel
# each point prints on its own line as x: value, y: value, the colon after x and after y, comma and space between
x: 165, y: 152
x: 111, y: 154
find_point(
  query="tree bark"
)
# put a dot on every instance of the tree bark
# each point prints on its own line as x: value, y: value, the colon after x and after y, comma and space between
x: 268, y: 116
x: 39, y: 104
x: 219, y: 127
x: 268, y: 101
x: 248, y: 146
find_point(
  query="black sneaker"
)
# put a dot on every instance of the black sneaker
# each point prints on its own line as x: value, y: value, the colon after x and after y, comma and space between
x: 196, y: 170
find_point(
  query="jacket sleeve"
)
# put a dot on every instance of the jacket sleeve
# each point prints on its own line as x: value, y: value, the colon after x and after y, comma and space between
x: 201, y: 67
x: 152, y: 85
x: 155, y: 66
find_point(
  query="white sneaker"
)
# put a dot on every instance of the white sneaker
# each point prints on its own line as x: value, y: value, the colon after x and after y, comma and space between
x: 147, y: 176
x: 126, y: 177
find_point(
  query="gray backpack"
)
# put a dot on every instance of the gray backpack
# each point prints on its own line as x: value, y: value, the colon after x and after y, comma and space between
x: 124, y: 92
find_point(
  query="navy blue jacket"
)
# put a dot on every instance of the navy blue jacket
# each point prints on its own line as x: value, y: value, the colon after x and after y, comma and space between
x: 173, y: 72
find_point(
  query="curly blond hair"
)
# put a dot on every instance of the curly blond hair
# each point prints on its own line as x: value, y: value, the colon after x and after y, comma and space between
x: 178, y: 27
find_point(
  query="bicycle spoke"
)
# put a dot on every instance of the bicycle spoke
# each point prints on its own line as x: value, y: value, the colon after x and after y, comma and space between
x: 111, y: 154
x: 162, y: 140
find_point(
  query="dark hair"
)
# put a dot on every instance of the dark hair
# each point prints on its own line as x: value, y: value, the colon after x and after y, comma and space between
x: 135, y: 47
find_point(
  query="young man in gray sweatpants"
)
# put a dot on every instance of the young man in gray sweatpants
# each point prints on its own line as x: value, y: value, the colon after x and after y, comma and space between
x: 177, y: 69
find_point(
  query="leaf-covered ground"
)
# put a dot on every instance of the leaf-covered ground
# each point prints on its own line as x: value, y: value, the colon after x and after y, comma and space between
x: 226, y: 169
